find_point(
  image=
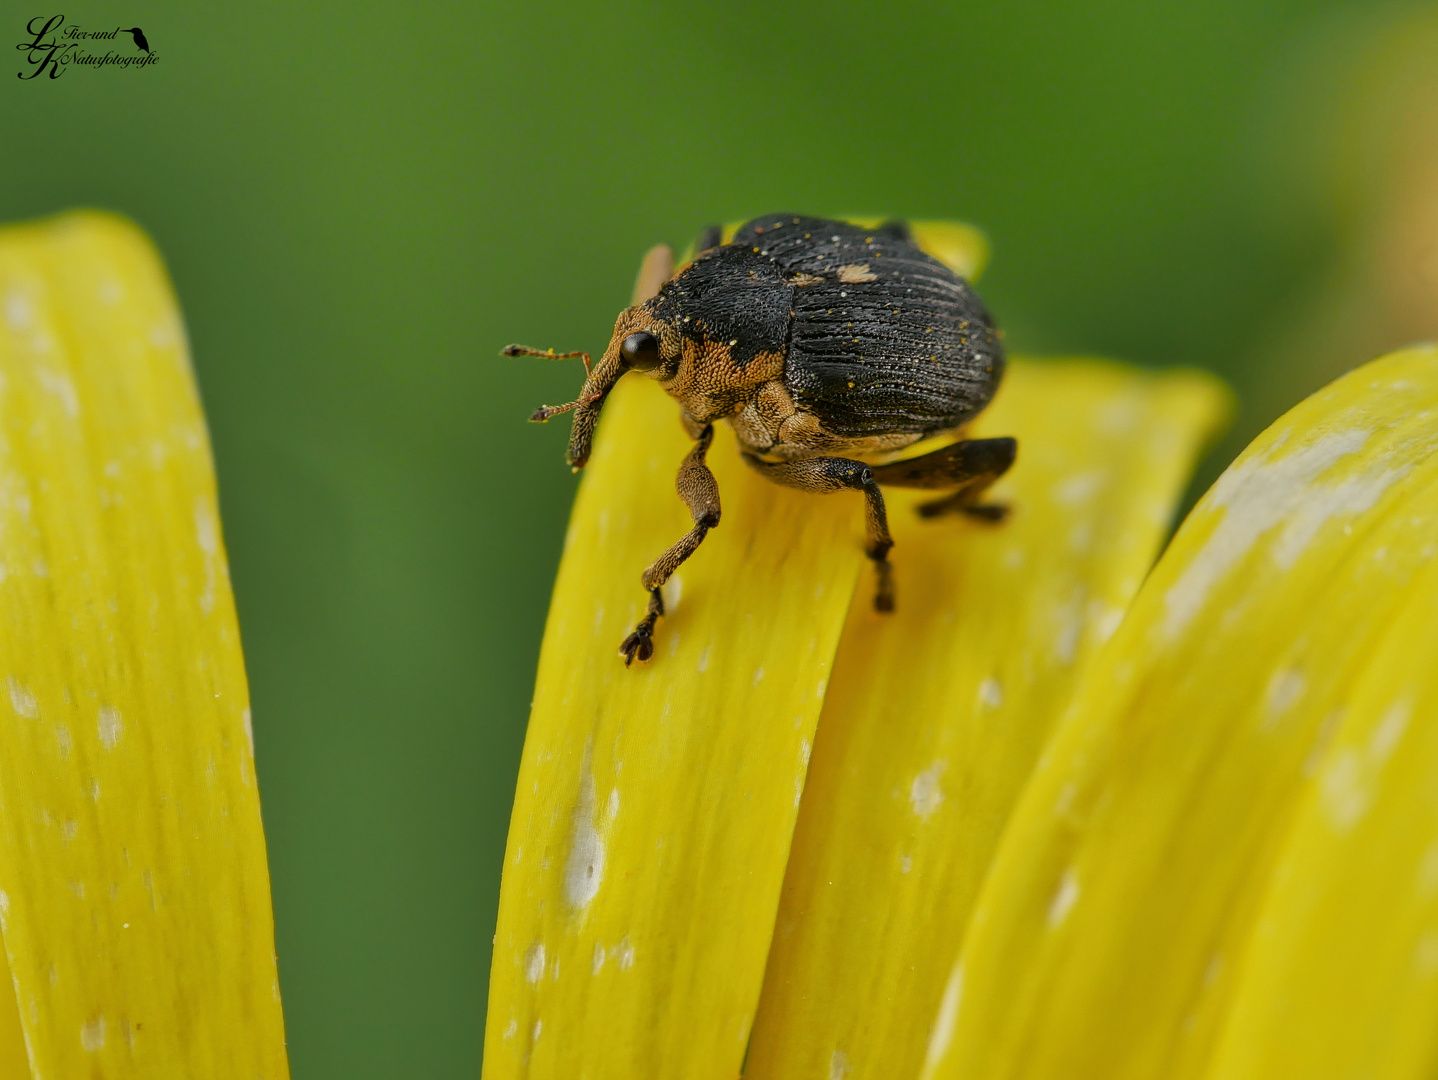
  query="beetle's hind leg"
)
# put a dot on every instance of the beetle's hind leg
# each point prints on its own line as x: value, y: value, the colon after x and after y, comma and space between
x: 700, y: 491
x: 827, y: 474
x: 971, y: 466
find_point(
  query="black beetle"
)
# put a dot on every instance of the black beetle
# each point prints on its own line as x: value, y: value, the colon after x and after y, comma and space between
x: 821, y: 343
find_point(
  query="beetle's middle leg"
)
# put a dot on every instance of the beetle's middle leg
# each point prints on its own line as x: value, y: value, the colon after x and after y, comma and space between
x: 971, y: 466
x: 826, y: 474
x: 699, y: 490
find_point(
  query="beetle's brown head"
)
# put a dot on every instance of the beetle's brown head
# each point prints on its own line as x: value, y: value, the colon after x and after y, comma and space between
x: 644, y: 341
x: 712, y: 335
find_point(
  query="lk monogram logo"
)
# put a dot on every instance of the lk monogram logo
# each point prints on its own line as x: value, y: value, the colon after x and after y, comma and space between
x: 53, y: 47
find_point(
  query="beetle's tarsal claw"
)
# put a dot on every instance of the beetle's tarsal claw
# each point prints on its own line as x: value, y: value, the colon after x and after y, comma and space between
x: 639, y: 644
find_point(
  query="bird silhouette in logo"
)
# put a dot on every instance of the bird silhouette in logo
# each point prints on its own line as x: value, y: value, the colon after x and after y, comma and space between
x: 139, y: 36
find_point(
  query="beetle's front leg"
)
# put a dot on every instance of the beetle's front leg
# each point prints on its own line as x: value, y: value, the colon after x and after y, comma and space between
x: 699, y: 490
x: 827, y: 474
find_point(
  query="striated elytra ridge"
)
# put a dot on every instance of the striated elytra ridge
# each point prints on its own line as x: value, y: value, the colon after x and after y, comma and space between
x: 880, y: 336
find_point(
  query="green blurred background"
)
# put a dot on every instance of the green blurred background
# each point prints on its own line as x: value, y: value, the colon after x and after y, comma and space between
x: 361, y: 203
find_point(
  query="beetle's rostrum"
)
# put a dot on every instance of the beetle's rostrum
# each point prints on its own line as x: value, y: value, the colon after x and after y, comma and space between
x: 824, y: 346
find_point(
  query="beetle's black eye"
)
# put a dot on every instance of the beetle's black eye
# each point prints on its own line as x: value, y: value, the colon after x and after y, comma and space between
x: 641, y: 351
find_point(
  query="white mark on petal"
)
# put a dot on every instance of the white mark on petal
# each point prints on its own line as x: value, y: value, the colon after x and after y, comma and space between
x: 991, y: 692
x: 1118, y: 417
x: 92, y: 1034
x: 1284, y: 689
x: 60, y: 385
x: 63, y: 741
x: 1106, y: 623
x: 947, y: 1020
x: 758, y: 675
x: 1079, y: 488
x: 22, y: 700
x: 1266, y: 492
x: 110, y: 727
x: 625, y: 952
x: 534, y: 962
x: 1067, y: 639
x: 1389, y: 732
x: 19, y: 312
x: 704, y: 658
x: 925, y: 795
x: 1348, y: 783
x: 598, y: 957
x: 1345, y: 795
x: 838, y: 1065
x: 207, y: 533
x: 585, y: 868
x: 1065, y: 897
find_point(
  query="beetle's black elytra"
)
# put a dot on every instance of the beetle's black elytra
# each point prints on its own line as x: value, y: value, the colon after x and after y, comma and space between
x: 821, y: 344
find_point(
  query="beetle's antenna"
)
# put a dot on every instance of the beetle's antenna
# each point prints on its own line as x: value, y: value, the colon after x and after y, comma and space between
x: 547, y: 354
x: 544, y: 412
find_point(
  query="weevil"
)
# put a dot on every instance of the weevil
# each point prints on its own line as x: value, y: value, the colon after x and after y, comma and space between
x: 827, y: 348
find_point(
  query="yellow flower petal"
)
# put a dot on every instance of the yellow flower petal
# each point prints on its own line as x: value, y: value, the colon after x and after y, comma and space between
x: 1341, y: 976
x: 1116, y: 931
x: 936, y: 713
x: 135, y: 902
x: 13, y: 1059
x: 655, y: 804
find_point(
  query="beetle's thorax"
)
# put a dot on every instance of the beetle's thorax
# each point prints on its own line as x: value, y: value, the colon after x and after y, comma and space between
x: 721, y: 324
